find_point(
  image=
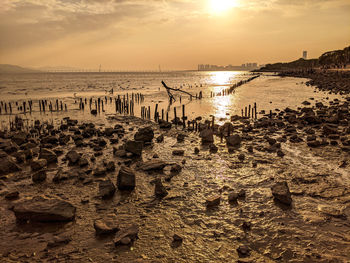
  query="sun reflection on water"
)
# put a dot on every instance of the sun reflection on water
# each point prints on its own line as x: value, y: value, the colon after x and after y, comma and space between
x: 223, y: 104
x: 222, y: 77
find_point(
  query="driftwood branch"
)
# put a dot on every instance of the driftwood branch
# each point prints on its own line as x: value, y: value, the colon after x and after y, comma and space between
x: 168, y: 88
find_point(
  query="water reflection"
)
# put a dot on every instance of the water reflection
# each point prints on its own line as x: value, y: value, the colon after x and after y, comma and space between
x: 222, y: 105
x: 223, y: 77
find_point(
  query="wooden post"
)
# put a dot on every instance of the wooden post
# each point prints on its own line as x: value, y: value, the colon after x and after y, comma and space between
x: 183, y: 116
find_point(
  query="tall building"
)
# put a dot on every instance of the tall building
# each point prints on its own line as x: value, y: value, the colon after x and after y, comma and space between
x: 304, y: 54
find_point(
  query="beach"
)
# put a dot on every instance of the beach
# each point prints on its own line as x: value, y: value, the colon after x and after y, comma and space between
x: 119, y: 187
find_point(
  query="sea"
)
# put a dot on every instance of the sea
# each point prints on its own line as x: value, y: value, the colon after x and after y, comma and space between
x: 268, y: 92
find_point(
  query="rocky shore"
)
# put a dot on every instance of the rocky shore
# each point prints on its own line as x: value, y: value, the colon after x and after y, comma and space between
x: 274, y: 189
x: 335, y: 81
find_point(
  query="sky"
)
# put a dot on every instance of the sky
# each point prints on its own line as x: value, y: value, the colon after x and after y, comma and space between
x: 175, y: 34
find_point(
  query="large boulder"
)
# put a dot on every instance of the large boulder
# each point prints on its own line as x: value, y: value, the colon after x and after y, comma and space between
x: 207, y: 136
x: 7, y: 165
x: 48, y: 155
x: 280, y: 192
x: 126, y: 179
x: 234, y: 140
x: 134, y: 147
x: 144, y: 134
x: 44, y: 210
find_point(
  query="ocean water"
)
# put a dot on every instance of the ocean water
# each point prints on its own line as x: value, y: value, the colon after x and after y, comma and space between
x: 269, y: 92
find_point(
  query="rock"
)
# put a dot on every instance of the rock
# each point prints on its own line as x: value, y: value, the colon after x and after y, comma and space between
x: 213, y: 148
x: 280, y: 153
x: 160, y: 138
x: 110, y: 166
x: 232, y: 197
x: 153, y: 165
x: 134, y: 147
x: 73, y: 157
x: 83, y: 162
x: 314, y: 143
x: 39, y: 164
x: 281, y: 193
x: 175, y: 169
x: 241, y: 157
x: 177, y: 238
x: 126, y: 236
x: 107, y: 225
x: 59, y: 176
x: 94, y: 112
x: 178, y: 152
x: 196, y: 150
x: 44, y: 210
x: 333, y: 210
x: 106, y: 189
x: 99, y: 172
x: 243, y: 251
x: 207, y: 136
x: 180, y: 137
x: 109, y: 131
x: 126, y: 178
x: 48, y: 155
x: 39, y: 176
x: 8, y: 166
x: 306, y: 102
x: 62, y: 239
x: 213, y: 201
x: 164, y: 124
x: 234, y: 140
x: 12, y: 195
x: 19, y: 138
x: 144, y: 134
x: 159, y: 189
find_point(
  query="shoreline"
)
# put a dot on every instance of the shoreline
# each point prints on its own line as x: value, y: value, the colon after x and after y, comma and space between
x: 260, y: 191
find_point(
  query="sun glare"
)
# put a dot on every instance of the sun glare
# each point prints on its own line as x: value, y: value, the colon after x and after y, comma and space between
x: 221, y: 6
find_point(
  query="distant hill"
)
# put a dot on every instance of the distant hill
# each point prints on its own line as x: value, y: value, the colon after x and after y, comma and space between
x: 11, y: 69
x: 331, y: 59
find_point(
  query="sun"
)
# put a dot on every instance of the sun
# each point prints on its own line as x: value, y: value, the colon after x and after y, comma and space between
x: 221, y: 6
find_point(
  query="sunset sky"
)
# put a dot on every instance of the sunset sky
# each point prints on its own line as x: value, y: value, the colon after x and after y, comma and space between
x: 176, y: 34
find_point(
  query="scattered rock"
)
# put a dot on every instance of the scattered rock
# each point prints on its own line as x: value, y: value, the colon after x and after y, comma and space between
x: 178, y: 152
x: 281, y: 193
x: 106, y: 189
x: 213, y: 201
x: 48, y: 155
x: 12, y: 195
x: 159, y: 189
x: 39, y: 176
x: 144, y: 134
x: 234, y: 140
x: 73, y: 157
x: 8, y: 166
x: 207, y: 136
x: 107, y: 225
x: 44, y: 210
x: 134, y: 147
x: 39, y: 164
x: 126, y: 235
x: 232, y: 197
x: 153, y: 165
x: 126, y: 178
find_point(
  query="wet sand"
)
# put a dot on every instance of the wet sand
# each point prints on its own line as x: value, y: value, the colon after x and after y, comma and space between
x: 215, y: 202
